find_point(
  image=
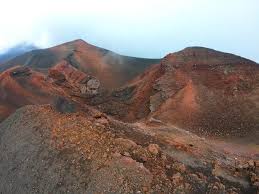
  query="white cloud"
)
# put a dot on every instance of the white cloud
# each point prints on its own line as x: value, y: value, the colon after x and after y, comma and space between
x: 134, y: 27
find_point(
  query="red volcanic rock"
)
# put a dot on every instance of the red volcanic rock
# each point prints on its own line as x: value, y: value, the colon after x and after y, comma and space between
x: 65, y: 71
x: 57, y: 75
x: 21, y: 86
x: 201, y: 90
x: 111, y: 69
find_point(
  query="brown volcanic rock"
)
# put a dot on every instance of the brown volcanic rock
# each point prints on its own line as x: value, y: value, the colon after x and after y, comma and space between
x: 64, y: 71
x: 113, y: 70
x: 21, y: 86
x: 44, y: 151
x: 202, y: 90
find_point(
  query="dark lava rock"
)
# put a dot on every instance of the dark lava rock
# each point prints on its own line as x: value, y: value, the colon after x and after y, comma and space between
x: 64, y: 106
x: 21, y: 71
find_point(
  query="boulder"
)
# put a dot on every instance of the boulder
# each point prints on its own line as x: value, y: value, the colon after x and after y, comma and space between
x: 57, y: 75
x: 91, y: 87
x: 126, y: 143
x: 21, y: 71
x: 153, y: 149
x: 63, y: 105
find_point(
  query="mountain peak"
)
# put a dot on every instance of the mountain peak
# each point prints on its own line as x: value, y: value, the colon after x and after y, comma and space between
x: 79, y: 41
x: 203, y: 55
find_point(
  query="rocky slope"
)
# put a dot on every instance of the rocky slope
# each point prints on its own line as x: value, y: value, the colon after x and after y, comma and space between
x: 113, y: 70
x: 21, y: 86
x: 197, y: 89
x: 187, y: 124
x: 53, y: 152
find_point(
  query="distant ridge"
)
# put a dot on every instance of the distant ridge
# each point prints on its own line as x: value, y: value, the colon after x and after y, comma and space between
x: 16, y: 51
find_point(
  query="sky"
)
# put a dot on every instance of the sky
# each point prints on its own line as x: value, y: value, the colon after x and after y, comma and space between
x: 141, y: 28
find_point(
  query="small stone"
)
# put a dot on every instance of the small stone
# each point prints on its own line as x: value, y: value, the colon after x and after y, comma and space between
x: 181, y: 168
x: 194, y: 177
x: 116, y: 155
x: 126, y: 154
x: 254, y: 177
x: 103, y: 121
x: 153, y: 149
x: 177, y: 178
x: 143, y: 158
x: 98, y: 115
x: 99, y: 125
x: 222, y: 187
x: 251, y: 163
x: 215, y: 188
x: 246, y: 166
x: 239, y: 167
x: 145, y: 189
x: 201, y: 176
x: 93, y: 86
x: 168, y: 166
x: 126, y: 143
x: 163, y: 157
x: 187, y: 186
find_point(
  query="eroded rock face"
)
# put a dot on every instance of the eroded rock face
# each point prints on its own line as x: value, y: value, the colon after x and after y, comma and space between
x: 201, y: 90
x: 91, y: 87
x: 57, y: 75
x: 83, y: 88
x: 155, y: 101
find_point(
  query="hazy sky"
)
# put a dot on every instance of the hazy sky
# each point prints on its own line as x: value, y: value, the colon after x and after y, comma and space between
x: 142, y: 28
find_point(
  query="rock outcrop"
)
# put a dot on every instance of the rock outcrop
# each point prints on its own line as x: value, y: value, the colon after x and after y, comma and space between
x: 199, y: 90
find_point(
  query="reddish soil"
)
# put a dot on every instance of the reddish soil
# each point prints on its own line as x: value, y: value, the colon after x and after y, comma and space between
x: 23, y: 88
x: 201, y: 90
x: 188, y: 124
x: 78, y: 152
x: 113, y: 70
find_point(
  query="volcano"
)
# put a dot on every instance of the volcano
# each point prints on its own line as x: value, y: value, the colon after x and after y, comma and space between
x: 82, y: 119
x: 201, y: 90
x: 112, y: 69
